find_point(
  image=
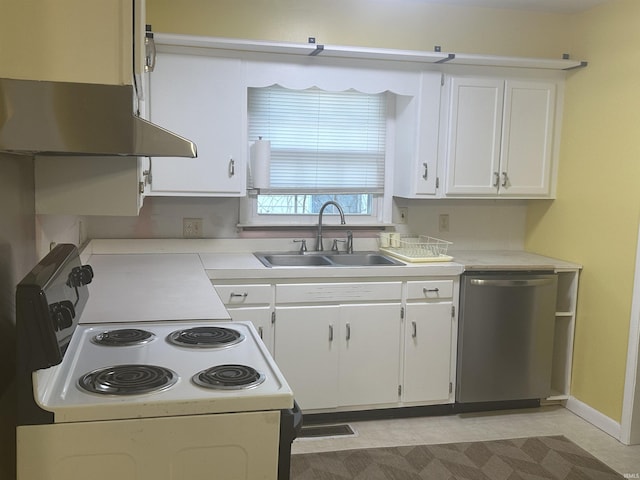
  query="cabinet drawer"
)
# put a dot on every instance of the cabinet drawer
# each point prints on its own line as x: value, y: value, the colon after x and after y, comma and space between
x: 338, y: 292
x: 430, y: 290
x: 244, y: 294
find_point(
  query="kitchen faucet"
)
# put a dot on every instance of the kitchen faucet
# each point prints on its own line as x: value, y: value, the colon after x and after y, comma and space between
x: 319, y: 246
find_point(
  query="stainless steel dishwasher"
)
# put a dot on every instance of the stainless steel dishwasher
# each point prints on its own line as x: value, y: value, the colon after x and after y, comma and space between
x: 505, y: 336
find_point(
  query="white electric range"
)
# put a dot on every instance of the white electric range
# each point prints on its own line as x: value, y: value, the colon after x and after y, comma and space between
x: 171, y: 399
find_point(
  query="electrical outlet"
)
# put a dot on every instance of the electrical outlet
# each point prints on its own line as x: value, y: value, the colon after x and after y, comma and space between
x: 192, y: 227
x: 443, y: 222
x: 403, y: 215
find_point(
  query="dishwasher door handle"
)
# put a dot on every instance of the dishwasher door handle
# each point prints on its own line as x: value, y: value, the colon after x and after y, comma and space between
x: 533, y: 282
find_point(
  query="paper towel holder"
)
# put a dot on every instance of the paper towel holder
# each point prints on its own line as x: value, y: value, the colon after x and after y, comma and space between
x: 260, y: 163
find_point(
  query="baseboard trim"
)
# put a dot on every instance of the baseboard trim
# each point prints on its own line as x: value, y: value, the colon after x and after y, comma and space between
x: 593, y: 416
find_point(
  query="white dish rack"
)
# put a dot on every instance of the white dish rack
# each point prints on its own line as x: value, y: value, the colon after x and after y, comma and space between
x: 414, y: 248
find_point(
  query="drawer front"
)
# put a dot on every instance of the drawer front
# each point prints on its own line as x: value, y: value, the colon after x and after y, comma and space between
x: 430, y: 290
x: 338, y: 292
x: 244, y: 294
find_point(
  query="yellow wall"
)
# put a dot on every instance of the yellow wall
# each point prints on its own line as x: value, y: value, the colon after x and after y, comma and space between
x: 594, y: 220
x: 405, y: 24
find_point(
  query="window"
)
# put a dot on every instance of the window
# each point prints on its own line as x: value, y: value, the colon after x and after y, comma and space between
x: 324, y: 146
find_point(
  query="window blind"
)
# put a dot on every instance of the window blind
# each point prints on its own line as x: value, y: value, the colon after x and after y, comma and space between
x: 321, y: 141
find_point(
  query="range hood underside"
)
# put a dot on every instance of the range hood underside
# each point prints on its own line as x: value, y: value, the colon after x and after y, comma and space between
x: 59, y: 118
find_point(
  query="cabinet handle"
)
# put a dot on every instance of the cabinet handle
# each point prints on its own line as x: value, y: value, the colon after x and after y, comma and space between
x: 232, y: 167
x: 348, y: 332
x: 260, y: 330
x: 414, y: 326
x: 243, y: 295
x: 426, y: 171
x: 331, y: 333
x: 496, y: 179
x: 505, y: 179
x: 428, y: 290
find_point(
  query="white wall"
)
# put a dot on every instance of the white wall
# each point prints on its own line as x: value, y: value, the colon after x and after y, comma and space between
x: 485, y: 224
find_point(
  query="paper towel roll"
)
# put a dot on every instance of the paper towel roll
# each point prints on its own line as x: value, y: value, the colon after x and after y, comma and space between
x: 260, y: 163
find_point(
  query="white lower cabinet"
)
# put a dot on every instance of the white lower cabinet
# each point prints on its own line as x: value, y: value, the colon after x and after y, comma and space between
x: 340, y: 355
x: 355, y: 345
x: 427, y: 375
x: 251, y: 303
x: 307, y: 354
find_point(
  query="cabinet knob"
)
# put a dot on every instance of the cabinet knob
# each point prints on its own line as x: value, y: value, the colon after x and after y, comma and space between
x: 348, y: 332
x: 414, y: 327
x: 426, y: 171
x: 496, y: 179
x: 232, y: 167
x: 331, y: 333
x: 430, y: 290
x: 505, y: 179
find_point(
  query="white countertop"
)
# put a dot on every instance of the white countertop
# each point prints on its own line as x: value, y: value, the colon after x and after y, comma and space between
x: 509, y: 260
x: 163, y: 278
x: 150, y: 287
x: 246, y: 265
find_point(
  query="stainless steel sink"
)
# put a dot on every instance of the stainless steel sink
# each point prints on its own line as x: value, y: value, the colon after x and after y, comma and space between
x: 292, y: 260
x: 363, y: 259
x: 325, y: 259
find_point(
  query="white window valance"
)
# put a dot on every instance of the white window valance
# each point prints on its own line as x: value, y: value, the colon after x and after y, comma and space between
x: 309, y: 73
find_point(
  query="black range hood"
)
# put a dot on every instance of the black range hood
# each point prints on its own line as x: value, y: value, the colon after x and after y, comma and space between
x: 61, y: 118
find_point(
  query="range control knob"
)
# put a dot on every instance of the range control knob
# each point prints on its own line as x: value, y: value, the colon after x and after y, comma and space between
x: 62, y: 314
x: 80, y: 276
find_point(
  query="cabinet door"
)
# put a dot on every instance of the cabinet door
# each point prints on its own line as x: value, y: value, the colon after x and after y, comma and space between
x: 306, y: 350
x: 527, y: 138
x: 427, y: 355
x: 473, y: 140
x: 203, y: 99
x: 370, y: 354
x: 416, y: 142
x: 261, y: 319
x: 101, y: 185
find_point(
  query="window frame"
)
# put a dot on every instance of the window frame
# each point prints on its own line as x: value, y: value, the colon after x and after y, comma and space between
x: 381, y: 204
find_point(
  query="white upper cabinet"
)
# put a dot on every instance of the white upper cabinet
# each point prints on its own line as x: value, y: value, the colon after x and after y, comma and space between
x: 204, y: 99
x: 416, y: 142
x: 499, y: 137
x: 72, y: 40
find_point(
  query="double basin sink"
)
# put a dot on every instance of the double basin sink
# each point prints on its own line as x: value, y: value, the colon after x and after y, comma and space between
x: 326, y: 259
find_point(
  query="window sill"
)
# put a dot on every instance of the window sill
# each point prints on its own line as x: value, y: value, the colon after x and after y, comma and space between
x: 307, y: 226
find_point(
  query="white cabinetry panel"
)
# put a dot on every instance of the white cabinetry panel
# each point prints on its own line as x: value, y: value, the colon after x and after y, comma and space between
x: 204, y: 99
x: 529, y: 110
x: 473, y: 154
x: 499, y: 141
x: 416, y: 143
x: 427, y: 355
x: 307, y: 353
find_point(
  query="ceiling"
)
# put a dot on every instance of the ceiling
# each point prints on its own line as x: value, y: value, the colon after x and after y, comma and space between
x: 554, y: 6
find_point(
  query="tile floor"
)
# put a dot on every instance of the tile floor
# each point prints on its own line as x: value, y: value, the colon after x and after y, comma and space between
x: 548, y: 420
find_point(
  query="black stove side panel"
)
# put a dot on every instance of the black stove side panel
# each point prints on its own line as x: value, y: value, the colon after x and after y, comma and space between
x: 49, y: 302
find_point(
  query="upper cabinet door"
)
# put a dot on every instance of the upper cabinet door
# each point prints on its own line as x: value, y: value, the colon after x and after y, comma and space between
x: 527, y: 138
x: 204, y: 99
x: 473, y: 140
x: 69, y: 40
x: 416, y: 142
x: 499, y: 141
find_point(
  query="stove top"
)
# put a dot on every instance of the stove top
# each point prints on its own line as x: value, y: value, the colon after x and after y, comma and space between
x: 93, y: 380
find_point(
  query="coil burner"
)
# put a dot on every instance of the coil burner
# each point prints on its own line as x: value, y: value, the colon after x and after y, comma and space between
x: 123, y: 337
x: 205, y: 337
x: 229, y: 377
x: 128, y: 380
